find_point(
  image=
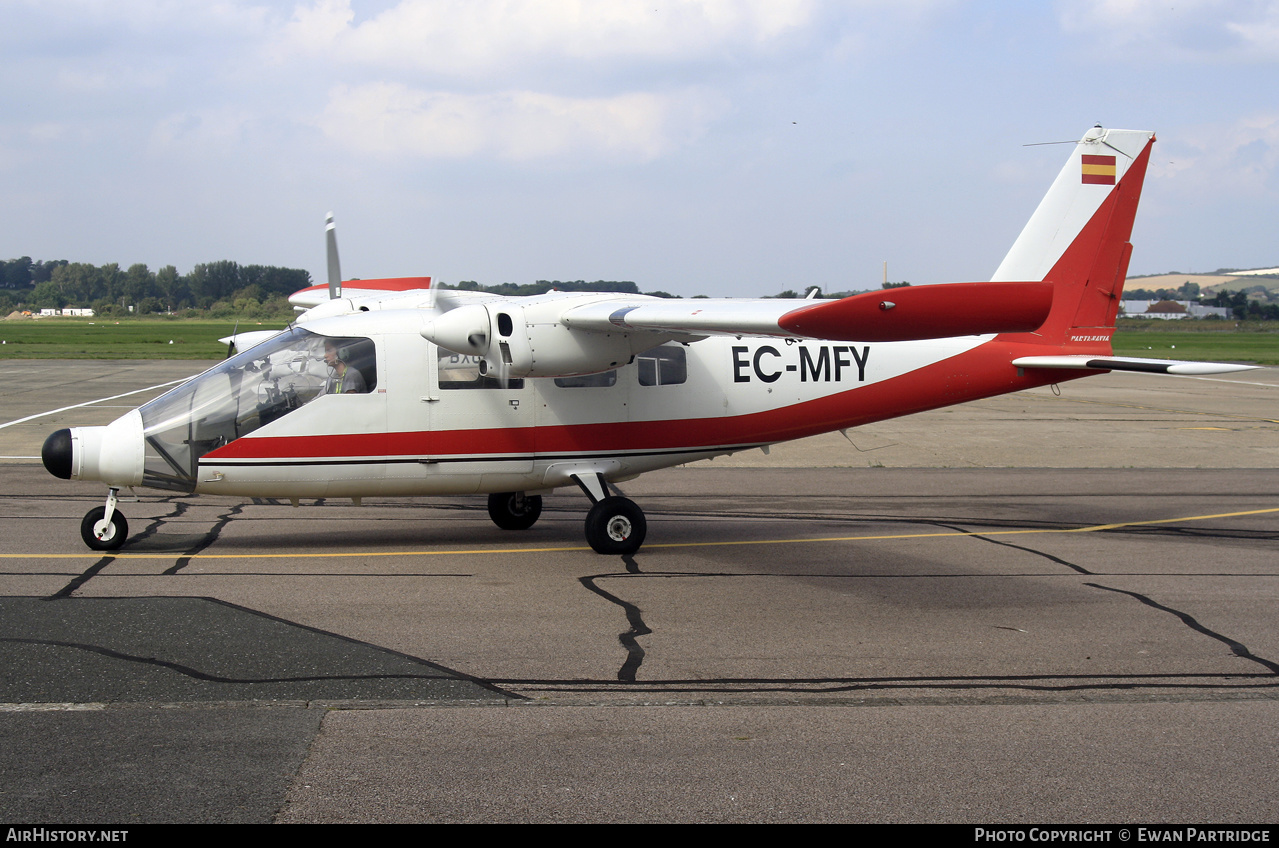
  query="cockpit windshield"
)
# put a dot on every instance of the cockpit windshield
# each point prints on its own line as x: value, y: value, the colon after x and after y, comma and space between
x: 248, y: 391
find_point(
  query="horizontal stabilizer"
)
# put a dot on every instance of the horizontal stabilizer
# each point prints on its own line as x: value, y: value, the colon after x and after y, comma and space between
x: 244, y: 341
x: 1131, y: 363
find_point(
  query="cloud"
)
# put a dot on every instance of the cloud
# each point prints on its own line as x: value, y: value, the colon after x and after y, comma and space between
x: 205, y: 131
x: 1236, y: 160
x: 482, y: 37
x: 397, y: 120
x: 1214, y: 30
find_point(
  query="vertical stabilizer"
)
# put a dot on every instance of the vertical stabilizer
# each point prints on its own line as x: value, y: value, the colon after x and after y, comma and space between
x: 1078, y: 237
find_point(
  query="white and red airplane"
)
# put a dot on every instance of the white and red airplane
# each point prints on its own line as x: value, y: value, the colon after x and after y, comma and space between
x: 391, y: 387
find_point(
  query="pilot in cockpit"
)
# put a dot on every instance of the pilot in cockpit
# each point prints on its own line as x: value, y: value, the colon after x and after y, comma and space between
x: 345, y: 378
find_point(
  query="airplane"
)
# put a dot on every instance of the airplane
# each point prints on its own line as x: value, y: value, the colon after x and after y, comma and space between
x: 472, y: 393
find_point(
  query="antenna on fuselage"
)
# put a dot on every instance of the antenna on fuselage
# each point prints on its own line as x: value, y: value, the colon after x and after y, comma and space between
x: 335, y: 268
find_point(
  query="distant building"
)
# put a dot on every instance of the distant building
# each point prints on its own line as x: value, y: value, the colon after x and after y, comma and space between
x: 1170, y: 310
x: 70, y: 311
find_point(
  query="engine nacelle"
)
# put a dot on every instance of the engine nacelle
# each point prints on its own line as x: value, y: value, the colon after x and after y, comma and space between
x: 530, y: 340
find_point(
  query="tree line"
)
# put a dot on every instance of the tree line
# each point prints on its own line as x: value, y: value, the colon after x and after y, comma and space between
x: 225, y: 288
x: 214, y: 288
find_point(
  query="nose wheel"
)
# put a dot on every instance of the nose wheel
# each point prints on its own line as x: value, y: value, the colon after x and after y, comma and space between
x: 103, y: 527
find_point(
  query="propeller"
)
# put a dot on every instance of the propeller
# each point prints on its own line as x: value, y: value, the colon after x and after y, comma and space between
x: 230, y: 344
x: 335, y: 268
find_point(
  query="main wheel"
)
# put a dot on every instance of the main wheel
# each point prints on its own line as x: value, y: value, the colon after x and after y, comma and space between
x: 514, y: 510
x: 615, y: 526
x: 101, y: 535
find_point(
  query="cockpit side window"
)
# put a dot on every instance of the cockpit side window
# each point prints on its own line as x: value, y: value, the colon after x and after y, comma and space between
x: 352, y: 366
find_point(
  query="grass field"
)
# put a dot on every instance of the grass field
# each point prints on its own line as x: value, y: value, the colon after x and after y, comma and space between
x: 136, y: 338
x: 1256, y: 342
x: 159, y: 338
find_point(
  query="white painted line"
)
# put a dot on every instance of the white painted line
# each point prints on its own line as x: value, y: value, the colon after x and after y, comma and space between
x: 1239, y: 382
x: 47, y: 708
x: 92, y: 402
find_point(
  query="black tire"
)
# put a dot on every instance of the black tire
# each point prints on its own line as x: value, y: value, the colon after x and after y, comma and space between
x: 514, y: 510
x: 615, y: 526
x: 117, y: 532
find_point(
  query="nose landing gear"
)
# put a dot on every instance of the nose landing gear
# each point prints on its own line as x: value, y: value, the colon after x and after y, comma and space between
x: 103, y: 528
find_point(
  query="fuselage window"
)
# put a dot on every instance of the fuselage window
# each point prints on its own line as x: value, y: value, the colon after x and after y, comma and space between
x: 666, y: 365
x: 458, y: 371
x: 602, y: 380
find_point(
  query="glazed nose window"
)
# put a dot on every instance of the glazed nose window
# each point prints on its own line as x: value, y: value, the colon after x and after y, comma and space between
x: 248, y: 391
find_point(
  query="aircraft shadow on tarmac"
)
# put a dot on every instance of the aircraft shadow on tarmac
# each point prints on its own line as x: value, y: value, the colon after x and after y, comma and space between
x: 85, y: 650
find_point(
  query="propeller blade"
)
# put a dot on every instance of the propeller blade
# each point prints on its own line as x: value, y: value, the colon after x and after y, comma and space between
x: 503, y: 370
x: 230, y: 345
x: 335, y: 268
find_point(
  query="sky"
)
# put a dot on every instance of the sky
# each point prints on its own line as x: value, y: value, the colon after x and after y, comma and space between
x: 692, y: 146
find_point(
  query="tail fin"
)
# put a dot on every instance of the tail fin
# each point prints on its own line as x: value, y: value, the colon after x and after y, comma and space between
x: 1078, y: 238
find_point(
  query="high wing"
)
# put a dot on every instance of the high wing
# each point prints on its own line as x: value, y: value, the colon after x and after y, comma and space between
x: 568, y: 333
x: 905, y: 314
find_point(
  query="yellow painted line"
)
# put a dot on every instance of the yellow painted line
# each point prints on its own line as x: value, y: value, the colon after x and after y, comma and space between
x: 477, y: 551
x: 309, y: 555
x: 1092, y: 529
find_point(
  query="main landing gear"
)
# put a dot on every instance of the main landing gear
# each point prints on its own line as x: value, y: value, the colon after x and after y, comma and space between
x: 103, y: 528
x: 514, y: 510
x: 614, y: 526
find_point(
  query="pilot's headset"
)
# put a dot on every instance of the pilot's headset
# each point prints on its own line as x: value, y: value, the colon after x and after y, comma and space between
x: 342, y: 351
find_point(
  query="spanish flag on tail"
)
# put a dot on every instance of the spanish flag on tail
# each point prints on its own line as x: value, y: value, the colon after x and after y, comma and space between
x: 1098, y: 170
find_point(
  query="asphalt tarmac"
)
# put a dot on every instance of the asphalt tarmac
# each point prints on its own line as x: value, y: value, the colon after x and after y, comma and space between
x: 1036, y: 608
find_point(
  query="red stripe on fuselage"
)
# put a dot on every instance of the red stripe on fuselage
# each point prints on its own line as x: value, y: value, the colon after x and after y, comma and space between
x: 982, y: 372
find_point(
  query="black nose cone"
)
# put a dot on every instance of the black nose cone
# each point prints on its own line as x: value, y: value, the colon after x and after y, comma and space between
x: 56, y: 454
